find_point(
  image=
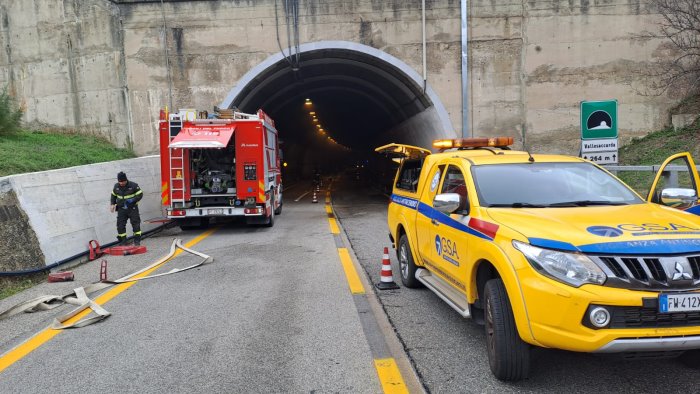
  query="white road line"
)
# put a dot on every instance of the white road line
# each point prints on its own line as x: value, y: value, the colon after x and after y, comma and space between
x: 302, y: 196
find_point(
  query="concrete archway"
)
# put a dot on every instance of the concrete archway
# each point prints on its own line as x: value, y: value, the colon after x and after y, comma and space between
x: 362, y: 96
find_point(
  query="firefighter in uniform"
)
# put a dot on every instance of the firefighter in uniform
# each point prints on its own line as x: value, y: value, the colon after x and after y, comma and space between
x: 125, y: 198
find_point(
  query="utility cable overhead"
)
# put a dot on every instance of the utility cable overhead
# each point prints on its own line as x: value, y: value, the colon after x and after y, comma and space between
x: 291, y: 11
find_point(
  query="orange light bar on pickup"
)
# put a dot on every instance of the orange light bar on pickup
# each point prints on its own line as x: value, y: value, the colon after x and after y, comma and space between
x: 498, y: 142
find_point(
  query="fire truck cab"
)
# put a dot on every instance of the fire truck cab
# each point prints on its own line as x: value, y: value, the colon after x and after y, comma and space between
x: 221, y: 165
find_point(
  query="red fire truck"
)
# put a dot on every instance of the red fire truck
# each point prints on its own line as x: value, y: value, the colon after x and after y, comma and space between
x: 225, y: 166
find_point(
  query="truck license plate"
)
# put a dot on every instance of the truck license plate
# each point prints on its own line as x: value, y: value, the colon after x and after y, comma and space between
x: 217, y: 211
x: 679, y: 303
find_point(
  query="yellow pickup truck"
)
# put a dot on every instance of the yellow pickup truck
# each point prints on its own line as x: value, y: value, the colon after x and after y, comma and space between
x: 550, y: 250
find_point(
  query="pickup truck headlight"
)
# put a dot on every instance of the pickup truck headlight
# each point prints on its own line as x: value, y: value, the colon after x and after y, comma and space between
x: 571, y: 268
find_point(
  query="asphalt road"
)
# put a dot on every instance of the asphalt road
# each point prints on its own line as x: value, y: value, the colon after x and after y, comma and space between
x: 271, y: 313
x: 449, y: 352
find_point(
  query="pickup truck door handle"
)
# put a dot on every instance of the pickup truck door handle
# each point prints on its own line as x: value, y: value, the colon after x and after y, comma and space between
x: 435, y: 222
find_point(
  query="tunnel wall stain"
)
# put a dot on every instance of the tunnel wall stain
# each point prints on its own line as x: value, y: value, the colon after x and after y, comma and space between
x: 99, y: 66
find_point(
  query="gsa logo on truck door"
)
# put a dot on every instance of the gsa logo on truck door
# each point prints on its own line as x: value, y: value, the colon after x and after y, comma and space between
x: 605, y: 231
x: 447, y: 249
x: 642, y: 229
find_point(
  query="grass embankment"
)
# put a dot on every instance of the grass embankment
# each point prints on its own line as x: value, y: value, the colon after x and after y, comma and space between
x: 653, y: 149
x: 30, y: 151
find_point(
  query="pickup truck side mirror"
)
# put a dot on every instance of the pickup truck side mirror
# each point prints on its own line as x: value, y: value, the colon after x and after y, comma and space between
x: 446, y: 202
x: 678, y: 197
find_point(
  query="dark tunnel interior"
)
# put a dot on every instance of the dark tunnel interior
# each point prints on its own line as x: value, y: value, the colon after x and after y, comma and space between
x: 332, y: 107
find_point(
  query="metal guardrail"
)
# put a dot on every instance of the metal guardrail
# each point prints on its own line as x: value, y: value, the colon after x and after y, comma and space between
x: 652, y: 168
x: 670, y: 172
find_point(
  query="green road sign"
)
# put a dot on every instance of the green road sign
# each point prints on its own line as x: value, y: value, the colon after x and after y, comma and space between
x: 598, y: 119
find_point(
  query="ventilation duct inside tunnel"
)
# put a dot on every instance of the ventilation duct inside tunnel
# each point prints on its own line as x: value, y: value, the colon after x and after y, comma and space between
x: 361, y: 98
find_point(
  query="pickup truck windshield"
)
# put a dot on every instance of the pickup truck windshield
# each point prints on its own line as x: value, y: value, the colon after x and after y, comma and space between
x: 549, y: 185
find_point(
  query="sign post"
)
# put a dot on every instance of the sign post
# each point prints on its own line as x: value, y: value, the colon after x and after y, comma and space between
x: 599, y: 131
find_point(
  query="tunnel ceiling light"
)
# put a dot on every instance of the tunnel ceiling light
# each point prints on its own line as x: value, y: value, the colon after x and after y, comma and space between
x: 315, y: 120
x: 312, y: 113
x: 318, y: 125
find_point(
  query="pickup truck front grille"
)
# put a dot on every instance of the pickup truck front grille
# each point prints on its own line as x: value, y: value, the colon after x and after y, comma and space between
x: 662, y: 273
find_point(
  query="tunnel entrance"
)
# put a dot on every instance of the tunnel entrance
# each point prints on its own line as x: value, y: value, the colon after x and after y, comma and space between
x: 333, y: 102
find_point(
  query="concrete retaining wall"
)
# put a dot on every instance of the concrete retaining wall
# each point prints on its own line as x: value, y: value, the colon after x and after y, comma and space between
x: 99, y: 65
x: 420, y: 130
x: 51, y: 215
x: 682, y: 120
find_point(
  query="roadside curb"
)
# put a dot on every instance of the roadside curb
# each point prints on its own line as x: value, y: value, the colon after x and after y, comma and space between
x: 394, y: 345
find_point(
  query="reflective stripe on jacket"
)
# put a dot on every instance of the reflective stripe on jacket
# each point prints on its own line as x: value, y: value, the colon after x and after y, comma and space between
x: 130, y: 190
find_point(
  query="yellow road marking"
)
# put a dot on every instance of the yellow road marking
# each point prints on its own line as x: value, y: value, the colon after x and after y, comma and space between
x: 387, y: 370
x: 389, y: 376
x: 45, y: 335
x: 350, y: 272
x: 334, y: 226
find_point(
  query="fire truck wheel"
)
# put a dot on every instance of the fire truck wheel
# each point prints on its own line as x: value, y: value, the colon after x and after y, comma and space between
x: 278, y: 211
x: 271, y: 220
x: 189, y: 224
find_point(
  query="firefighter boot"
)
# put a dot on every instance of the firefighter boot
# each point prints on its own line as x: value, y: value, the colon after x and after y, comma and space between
x: 137, y: 240
x: 122, y: 239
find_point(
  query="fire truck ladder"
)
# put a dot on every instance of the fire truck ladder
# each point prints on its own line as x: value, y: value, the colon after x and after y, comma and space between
x: 177, y: 166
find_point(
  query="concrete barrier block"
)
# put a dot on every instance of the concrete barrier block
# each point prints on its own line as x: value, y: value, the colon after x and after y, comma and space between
x: 95, y: 191
x: 62, y: 210
x: 682, y: 120
x: 67, y: 245
x: 67, y: 220
x: 93, y: 173
x: 49, y: 197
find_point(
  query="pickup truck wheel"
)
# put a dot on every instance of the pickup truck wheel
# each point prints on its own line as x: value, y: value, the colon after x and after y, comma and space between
x: 509, y: 356
x: 406, y: 265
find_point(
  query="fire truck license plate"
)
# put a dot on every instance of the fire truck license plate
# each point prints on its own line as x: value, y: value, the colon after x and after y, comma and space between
x: 679, y: 303
x: 217, y: 211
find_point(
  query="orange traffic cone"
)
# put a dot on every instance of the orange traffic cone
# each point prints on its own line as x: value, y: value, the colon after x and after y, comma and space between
x: 387, y: 280
x: 314, y: 199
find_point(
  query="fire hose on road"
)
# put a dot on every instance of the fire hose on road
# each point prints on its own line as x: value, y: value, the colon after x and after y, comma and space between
x: 80, y: 297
